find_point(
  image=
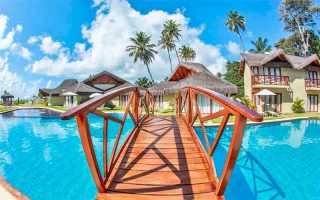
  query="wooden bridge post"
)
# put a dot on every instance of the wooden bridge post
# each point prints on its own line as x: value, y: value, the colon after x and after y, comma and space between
x: 135, y: 106
x: 237, y: 135
x: 86, y: 140
x: 178, y: 105
x: 147, y: 102
x: 190, y: 108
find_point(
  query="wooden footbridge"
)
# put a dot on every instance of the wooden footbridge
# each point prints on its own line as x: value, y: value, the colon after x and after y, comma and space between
x: 162, y: 157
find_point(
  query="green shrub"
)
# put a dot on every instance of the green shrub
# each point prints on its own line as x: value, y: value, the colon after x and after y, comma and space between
x: 82, y: 100
x: 297, y: 106
x: 110, y: 105
x: 246, y: 101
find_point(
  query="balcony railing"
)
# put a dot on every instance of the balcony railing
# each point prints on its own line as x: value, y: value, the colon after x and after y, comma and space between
x: 270, y: 80
x: 312, y: 83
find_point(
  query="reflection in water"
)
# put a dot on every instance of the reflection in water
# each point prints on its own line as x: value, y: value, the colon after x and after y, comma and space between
x: 262, y: 182
x: 47, y: 152
x: 276, y: 161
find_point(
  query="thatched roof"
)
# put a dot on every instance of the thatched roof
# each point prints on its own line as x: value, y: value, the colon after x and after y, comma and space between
x: 259, y: 59
x: 117, y: 78
x: 69, y: 85
x: 7, y: 95
x: 193, y: 74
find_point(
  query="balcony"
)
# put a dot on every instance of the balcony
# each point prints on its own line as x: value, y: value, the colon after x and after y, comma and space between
x: 314, y: 83
x: 270, y: 80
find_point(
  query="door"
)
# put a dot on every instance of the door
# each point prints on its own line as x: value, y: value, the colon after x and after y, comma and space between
x: 312, y: 103
x: 273, y: 103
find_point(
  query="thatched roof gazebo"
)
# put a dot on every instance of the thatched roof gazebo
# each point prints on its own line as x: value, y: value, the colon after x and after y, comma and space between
x: 7, y: 99
x: 192, y: 74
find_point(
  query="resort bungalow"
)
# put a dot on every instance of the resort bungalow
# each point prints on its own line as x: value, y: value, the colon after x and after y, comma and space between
x: 7, y: 99
x: 286, y: 76
x: 191, y: 74
x: 71, y: 92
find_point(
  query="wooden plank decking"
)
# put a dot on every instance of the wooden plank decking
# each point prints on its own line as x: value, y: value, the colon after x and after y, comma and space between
x: 162, y: 161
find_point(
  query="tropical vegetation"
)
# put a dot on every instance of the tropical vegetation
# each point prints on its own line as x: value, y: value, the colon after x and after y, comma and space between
x: 186, y: 53
x: 172, y: 30
x: 299, y: 18
x: 236, y: 22
x: 260, y: 46
x: 142, y: 49
x: 143, y: 82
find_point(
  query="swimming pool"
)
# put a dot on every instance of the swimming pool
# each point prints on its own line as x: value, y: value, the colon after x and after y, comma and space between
x: 42, y: 156
x: 276, y: 161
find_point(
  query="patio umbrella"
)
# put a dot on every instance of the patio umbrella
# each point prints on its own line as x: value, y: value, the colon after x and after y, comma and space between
x: 94, y: 95
x: 265, y: 92
x: 69, y: 94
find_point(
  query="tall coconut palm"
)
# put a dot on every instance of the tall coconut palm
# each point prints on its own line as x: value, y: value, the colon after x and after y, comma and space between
x: 235, y: 22
x: 142, y: 49
x: 260, y: 46
x: 171, y: 28
x: 167, y: 43
x: 187, y: 53
x: 143, y: 82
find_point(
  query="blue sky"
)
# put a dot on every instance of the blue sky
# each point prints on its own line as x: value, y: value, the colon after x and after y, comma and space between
x: 58, y: 39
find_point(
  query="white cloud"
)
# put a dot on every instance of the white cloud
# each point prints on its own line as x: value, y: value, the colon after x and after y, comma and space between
x: 49, y: 84
x: 33, y: 39
x: 250, y: 34
x: 18, y: 49
x: 233, y: 48
x: 6, y: 39
x: 48, y: 46
x: 19, y: 28
x: 13, y: 83
x: 108, y: 36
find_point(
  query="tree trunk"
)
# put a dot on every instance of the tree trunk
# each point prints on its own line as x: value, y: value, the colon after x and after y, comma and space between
x: 303, y: 40
x: 244, y: 49
x: 175, y: 49
x: 150, y: 74
x: 169, y: 59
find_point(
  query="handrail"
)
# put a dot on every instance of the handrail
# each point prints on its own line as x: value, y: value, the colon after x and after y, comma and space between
x: 270, y: 80
x: 312, y: 82
x: 136, y: 106
x: 187, y: 107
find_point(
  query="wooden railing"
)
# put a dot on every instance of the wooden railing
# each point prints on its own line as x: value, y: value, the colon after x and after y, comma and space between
x: 270, y: 80
x: 312, y: 83
x: 139, y: 106
x: 187, y: 106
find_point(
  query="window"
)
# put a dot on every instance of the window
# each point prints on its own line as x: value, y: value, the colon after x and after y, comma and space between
x: 159, y: 101
x: 273, y: 103
x: 124, y: 100
x: 312, y: 75
x: 255, y: 70
x: 272, y: 74
x: 312, y: 103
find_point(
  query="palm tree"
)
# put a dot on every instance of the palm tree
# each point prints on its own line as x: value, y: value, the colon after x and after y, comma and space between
x: 235, y: 22
x: 143, y: 82
x: 171, y: 29
x: 187, y: 53
x: 261, y: 46
x: 167, y: 43
x: 142, y: 50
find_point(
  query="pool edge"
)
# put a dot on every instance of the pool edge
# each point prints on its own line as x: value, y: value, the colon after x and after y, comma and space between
x: 12, y: 191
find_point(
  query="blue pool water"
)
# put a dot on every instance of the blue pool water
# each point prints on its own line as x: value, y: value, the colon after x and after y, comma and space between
x: 277, y: 161
x: 42, y: 155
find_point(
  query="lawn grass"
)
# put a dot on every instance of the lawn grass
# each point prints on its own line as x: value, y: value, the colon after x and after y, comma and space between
x: 7, y: 108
